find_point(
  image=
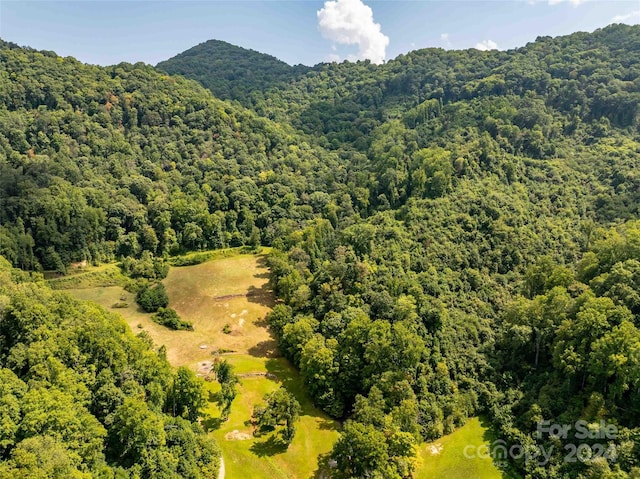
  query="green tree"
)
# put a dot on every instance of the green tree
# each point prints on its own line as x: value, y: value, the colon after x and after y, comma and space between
x: 186, y: 396
x: 152, y: 298
x: 281, y: 409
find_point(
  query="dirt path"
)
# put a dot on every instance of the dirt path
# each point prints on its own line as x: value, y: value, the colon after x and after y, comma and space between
x: 221, y: 472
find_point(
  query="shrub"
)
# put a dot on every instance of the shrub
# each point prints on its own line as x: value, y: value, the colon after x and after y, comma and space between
x: 151, y: 298
x: 169, y: 317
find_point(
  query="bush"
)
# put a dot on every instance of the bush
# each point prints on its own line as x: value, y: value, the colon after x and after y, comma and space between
x: 151, y: 298
x: 192, y: 259
x: 169, y: 317
x: 148, y: 266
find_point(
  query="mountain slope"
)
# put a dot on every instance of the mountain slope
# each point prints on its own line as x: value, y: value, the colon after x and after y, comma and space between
x: 231, y: 72
x: 97, y: 162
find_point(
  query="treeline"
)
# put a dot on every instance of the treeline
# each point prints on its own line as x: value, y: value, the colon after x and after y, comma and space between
x: 81, y: 397
x: 102, y: 163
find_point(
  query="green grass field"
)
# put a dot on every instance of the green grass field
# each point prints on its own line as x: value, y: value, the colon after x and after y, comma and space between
x: 247, y: 456
x: 445, y: 457
x: 90, y: 277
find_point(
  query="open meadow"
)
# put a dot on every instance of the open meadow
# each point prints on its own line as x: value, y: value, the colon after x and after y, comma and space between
x: 446, y: 457
x: 261, y: 457
x: 228, y: 292
x: 231, y: 294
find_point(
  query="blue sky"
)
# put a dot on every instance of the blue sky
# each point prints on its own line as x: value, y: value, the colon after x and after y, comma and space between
x: 108, y: 32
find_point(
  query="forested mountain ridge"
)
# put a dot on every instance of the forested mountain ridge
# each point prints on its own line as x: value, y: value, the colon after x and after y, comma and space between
x: 97, y: 162
x: 455, y: 231
x: 231, y: 72
x: 583, y: 75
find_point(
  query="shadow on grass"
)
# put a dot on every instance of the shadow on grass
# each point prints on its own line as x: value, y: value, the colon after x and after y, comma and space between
x: 262, y: 262
x: 292, y: 382
x: 490, y: 436
x: 323, y: 470
x: 264, y: 349
x: 263, y: 295
x: 327, y: 425
x: 212, y: 423
x: 491, y: 433
x: 265, y: 275
x: 269, y: 447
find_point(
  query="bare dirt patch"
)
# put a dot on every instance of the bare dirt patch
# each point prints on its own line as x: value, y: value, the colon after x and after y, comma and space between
x: 434, y: 449
x: 236, y: 435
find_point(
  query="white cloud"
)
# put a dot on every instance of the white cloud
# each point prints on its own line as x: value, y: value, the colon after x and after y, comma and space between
x: 629, y: 18
x: 351, y: 22
x: 445, y: 40
x: 486, y: 45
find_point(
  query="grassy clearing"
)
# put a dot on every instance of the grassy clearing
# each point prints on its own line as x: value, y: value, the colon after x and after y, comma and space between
x: 198, y: 257
x: 210, y: 295
x: 232, y: 290
x: 445, y: 457
x: 246, y: 456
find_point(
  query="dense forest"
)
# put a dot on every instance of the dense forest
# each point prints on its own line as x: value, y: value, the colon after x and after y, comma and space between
x: 455, y: 232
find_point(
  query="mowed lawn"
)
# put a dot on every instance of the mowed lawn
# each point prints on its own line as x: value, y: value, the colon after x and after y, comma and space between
x: 446, y: 456
x: 261, y: 458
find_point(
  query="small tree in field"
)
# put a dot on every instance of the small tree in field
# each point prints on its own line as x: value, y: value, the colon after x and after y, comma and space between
x: 281, y: 409
x: 228, y: 381
x: 151, y: 298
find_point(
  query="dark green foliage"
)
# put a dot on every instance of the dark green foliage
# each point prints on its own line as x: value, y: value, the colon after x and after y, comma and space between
x: 186, y: 396
x: 81, y: 397
x: 169, y: 317
x: 228, y: 381
x: 153, y: 297
x: 231, y: 72
x: 126, y: 163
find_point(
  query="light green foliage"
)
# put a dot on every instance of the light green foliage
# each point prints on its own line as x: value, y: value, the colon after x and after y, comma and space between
x: 80, y: 397
x: 281, y: 409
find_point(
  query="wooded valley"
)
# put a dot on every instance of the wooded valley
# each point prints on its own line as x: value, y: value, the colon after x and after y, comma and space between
x: 454, y: 233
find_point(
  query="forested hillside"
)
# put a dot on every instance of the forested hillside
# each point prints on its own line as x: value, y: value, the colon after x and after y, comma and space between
x: 456, y: 232
x: 231, y: 72
x: 81, y: 397
x: 98, y: 163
